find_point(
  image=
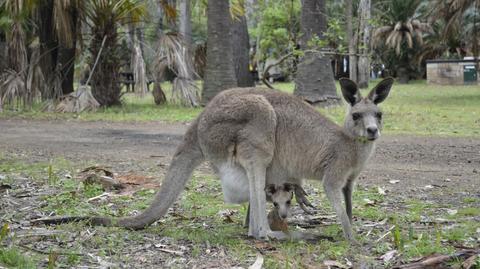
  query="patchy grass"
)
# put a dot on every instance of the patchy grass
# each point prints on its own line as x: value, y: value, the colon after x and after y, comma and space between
x: 195, y: 227
x: 13, y: 258
x: 415, y: 108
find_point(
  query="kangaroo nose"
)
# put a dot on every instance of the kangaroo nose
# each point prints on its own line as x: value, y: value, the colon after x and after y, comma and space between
x: 372, y: 131
x: 283, y: 216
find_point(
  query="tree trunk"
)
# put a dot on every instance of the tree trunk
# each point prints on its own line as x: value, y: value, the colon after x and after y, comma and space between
x: 352, y: 42
x: 314, y: 82
x: 185, y: 27
x: 104, y: 82
x: 364, y: 44
x: 241, y: 49
x: 157, y: 92
x: 58, y: 59
x: 48, y: 48
x: 220, y: 71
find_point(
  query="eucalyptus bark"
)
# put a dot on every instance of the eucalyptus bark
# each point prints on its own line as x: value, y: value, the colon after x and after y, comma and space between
x: 352, y: 43
x: 185, y: 25
x: 241, y: 48
x: 220, y: 71
x: 314, y: 82
x: 364, y: 44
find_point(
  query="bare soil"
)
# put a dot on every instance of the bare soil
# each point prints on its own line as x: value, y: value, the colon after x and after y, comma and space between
x: 442, y: 170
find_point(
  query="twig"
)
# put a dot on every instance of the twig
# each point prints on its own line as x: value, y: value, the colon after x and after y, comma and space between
x: 171, y: 251
x: 430, y: 262
x: 387, y: 233
x: 98, y: 196
x: 96, y: 60
x: 272, y: 65
x: 49, y: 252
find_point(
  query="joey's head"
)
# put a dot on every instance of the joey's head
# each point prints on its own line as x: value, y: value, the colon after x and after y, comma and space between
x: 281, y: 196
x: 364, y: 119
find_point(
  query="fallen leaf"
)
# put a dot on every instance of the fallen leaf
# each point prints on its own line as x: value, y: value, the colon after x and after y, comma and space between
x: 448, y: 180
x: 452, y: 212
x: 335, y: 263
x: 381, y: 191
x: 394, y: 181
x: 369, y: 202
x: 264, y: 246
x: 428, y: 187
x: 258, y: 264
x: 388, y: 256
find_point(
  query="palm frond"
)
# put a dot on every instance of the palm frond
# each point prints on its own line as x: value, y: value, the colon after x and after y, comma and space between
x: 172, y: 53
x: 62, y: 12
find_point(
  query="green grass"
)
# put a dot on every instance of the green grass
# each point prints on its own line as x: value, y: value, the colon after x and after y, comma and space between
x: 13, y: 258
x: 415, y: 108
x: 196, y: 224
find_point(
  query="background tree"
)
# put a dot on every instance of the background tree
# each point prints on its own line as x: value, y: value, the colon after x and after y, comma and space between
x: 364, y: 43
x: 241, y: 49
x: 220, y: 72
x: 314, y: 81
x: 352, y: 41
x: 400, y: 36
x: 15, y: 78
x: 104, y: 18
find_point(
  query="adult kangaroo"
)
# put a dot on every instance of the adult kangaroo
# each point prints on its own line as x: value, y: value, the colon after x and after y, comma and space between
x: 254, y: 137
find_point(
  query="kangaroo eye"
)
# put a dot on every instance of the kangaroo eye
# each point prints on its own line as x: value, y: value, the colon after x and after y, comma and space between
x: 356, y: 116
x: 379, y: 115
x: 275, y: 204
x: 289, y: 202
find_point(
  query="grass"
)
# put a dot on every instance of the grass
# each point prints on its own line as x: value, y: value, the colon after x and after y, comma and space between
x: 415, y: 108
x: 197, y: 225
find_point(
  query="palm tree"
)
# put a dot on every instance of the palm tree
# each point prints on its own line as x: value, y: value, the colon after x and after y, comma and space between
x: 314, y: 82
x: 104, y: 17
x: 57, y: 23
x: 403, y: 31
x: 14, y: 84
x: 220, y: 72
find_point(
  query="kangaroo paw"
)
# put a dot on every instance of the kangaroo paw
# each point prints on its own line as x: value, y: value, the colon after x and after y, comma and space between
x: 303, y: 202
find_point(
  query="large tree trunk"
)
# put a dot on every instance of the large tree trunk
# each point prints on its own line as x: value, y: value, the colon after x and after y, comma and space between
x: 185, y: 26
x: 364, y: 44
x: 48, y: 48
x: 241, y: 48
x: 352, y: 42
x: 58, y: 58
x: 220, y: 71
x: 314, y: 82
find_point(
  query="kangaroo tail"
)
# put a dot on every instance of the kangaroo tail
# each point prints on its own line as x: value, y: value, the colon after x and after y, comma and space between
x: 187, y: 157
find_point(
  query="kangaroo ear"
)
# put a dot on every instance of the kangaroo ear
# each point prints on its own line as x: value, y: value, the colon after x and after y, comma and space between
x: 350, y: 91
x: 270, y: 189
x: 380, y: 92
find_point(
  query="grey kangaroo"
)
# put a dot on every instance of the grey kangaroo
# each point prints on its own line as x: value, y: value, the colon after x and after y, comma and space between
x: 254, y: 137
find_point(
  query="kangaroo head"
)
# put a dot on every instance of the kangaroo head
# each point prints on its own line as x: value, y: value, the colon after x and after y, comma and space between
x: 281, y: 196
x: 364, y: 120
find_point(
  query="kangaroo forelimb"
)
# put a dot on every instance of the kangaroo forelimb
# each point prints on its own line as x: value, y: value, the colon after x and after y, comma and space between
x: 303, y: 202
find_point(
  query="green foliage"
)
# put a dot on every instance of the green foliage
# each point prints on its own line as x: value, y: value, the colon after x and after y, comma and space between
x: 279, y: 27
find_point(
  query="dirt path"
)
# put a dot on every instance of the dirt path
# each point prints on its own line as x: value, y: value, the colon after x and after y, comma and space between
x: 414, y: 161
